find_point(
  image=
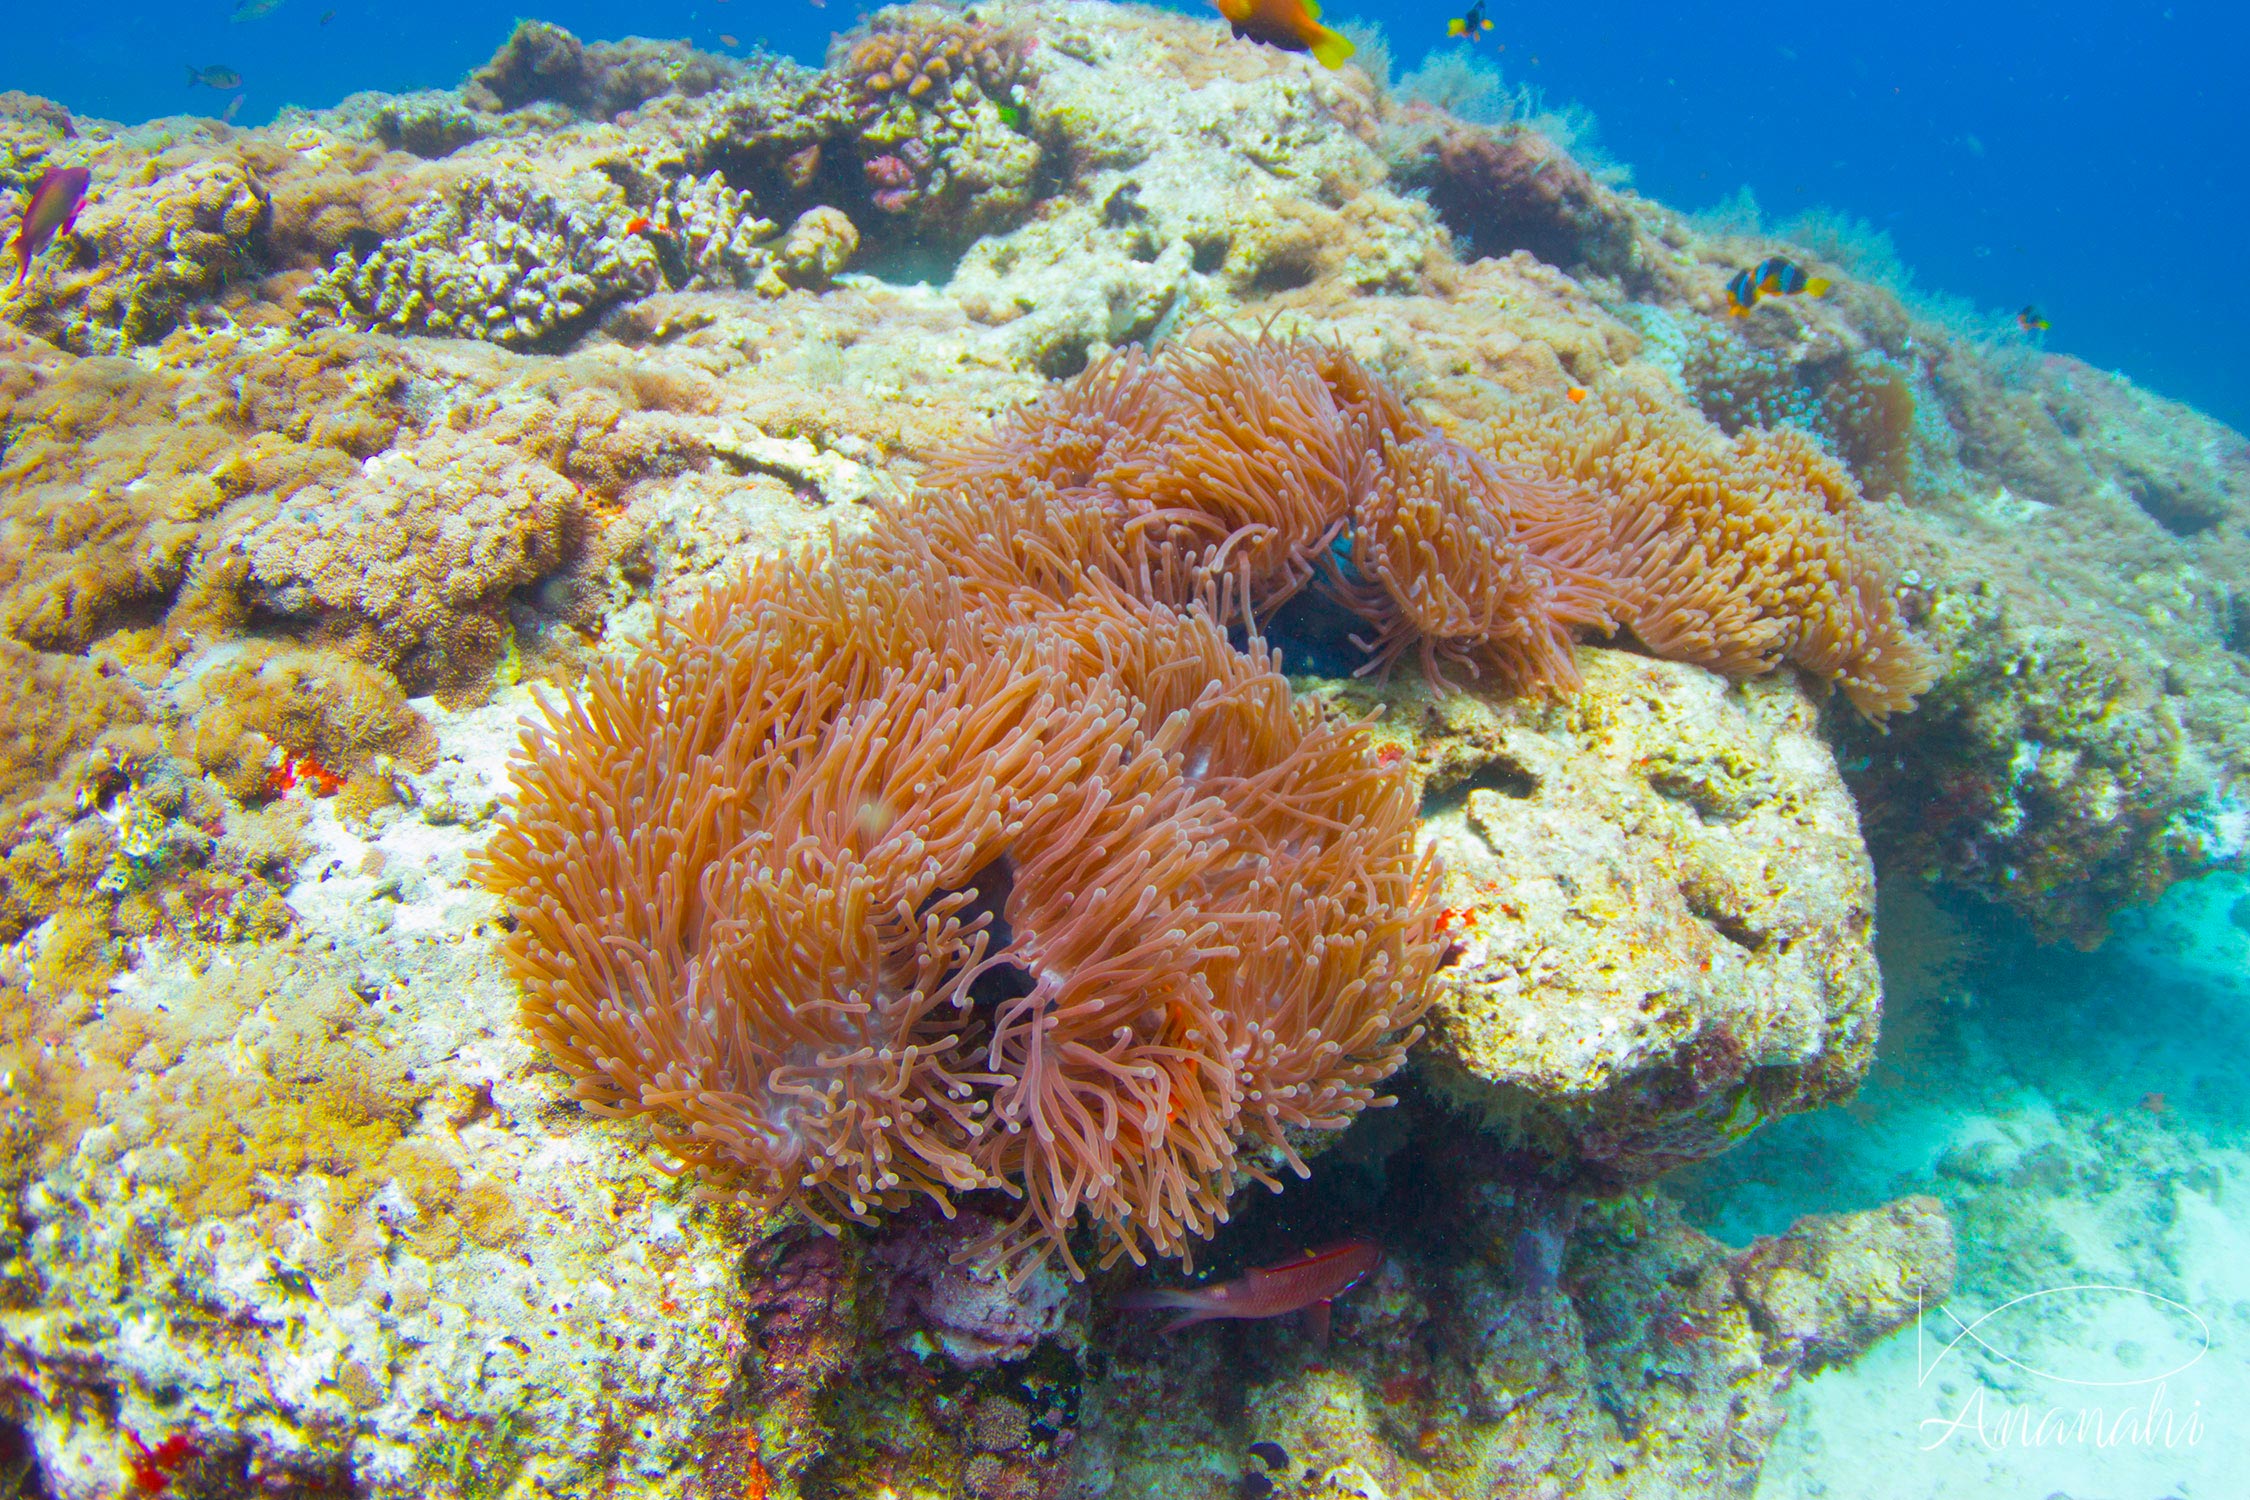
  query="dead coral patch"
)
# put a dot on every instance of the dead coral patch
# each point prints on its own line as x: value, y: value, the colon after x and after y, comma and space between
x: 542, y: 61
x: 1505, y: 188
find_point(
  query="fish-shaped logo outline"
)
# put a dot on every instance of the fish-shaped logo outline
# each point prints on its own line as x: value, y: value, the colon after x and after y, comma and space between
x: 1926, y: 1367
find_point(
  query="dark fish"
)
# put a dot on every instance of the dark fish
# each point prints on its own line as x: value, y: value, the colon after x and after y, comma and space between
x: 1471, y: 25
x: 50, y: 209
x: 326, y: 16
x: 1307, y: 1285
x: 1775, y: 276
x: 1291, y: 25
x: 250, y: 10
x: 217, y: 76
x: 1272, y: 1455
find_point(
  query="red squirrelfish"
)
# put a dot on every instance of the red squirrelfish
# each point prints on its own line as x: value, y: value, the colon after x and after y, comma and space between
x: 1307, y: 1285
x: 49, y: 211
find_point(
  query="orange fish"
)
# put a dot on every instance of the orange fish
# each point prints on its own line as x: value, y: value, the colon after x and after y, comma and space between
x: 1576, y: 393
x: 1291, y: 25
x: 1307, y: 1284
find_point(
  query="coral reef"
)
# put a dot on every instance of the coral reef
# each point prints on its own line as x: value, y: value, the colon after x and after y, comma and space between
x: 297, y: 1202
x: 137, y: 258
x: 1627, y: 1355
x: 331, y: 1139
x: 928, y: 88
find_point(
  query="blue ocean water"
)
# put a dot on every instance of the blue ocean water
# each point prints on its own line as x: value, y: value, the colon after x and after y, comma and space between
x: 2089, y: 159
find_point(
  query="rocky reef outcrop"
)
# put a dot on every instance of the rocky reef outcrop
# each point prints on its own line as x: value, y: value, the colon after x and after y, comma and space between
x: 1661, y: 912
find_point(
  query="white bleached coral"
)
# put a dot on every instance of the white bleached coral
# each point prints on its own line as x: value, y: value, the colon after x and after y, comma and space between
x: 503, y: 257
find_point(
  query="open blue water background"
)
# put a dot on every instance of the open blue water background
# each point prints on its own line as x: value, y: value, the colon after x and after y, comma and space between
x: 2091, y: 157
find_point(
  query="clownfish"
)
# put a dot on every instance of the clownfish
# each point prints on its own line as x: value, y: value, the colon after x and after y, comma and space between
x: 1291, y: 25
x: 1471, y: 25
x: 2032, y: 320
x: 1775, y: 276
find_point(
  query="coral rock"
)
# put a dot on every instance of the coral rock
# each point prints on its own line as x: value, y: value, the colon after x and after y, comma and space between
x: 1835, y: 1283
x: 414, y: 557
x: 1662, y: 912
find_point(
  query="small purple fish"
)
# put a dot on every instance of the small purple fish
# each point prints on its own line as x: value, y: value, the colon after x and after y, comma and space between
x: 50, y: 210
x: 1304, y: 1285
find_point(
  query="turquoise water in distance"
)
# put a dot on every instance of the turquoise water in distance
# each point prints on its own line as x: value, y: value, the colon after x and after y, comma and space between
x: 2090, y: 159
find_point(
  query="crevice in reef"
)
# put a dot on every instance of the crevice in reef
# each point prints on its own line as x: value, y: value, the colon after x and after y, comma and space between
x: 1503, y: 774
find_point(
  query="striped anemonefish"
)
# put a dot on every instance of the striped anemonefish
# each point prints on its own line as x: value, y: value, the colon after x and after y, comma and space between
x: 1291, y: 25
x: 1775, y: 276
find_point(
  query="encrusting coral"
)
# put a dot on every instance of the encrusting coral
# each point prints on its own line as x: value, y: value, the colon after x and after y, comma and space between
x: 870, y: 884
x: 410, y: 559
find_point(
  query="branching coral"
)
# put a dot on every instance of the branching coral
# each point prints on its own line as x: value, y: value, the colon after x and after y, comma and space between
x: 1737, y: 554
x: 873, y: 885
x: 500, y: 257
x: 714, y: 236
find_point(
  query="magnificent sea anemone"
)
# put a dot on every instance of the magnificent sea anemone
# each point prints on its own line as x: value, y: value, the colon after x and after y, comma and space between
x: 867, y: 885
